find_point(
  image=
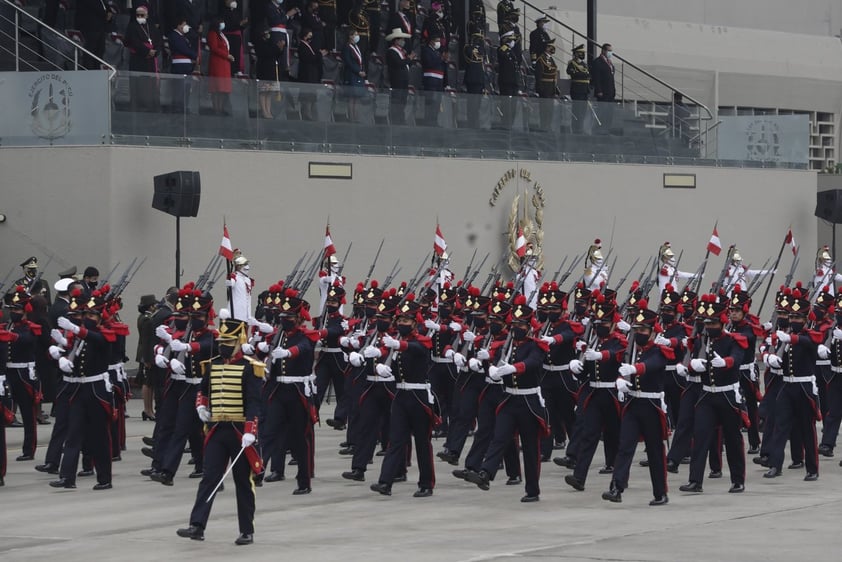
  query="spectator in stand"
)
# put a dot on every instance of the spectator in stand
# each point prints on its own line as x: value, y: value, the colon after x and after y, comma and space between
x: 219, y: 66
x: 309, y: 72
x: 278, y: 19
x: 353, y: 72
x: 507, y: 76
x: 372, y: 12
x: 434, y: 65
x: 311, y: 20
x: 327, y: 13
x: 235, y: 24
x: 358, y: 20
x: 538, y: 39
x: 474, y: 76
x: 602, y: 77
x: 91, y: 20
x: 402, y: 18
x: 269, y: 50
x: 184, y: 58
x: 398, y: 62
x: 144, y: 42
x: 434, y: 26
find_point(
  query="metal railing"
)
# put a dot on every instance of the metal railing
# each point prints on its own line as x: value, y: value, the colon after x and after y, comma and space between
x: 51, y: 47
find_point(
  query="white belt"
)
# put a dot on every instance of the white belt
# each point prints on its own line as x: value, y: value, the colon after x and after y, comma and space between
x: 292, y: 380
x: 20, y: 365
x: 555, y: 368
x: 279, y: 28
x: 2, y: 385
x: 332, y: 350
x: 799, y: 379
x: 442, y: 359
x: 836, y: 369
x: 691, y: 378
x: 417, y: 386
x: 375, y: 378
x: 602, y: 384
x: 746, y: 367
x: 489, y: 380
x: 522, y: 391
x: 434, y: 74
x: 95, y: 378
x: 184, y: 378
x: 670, y: 368
x: 182, y: 61
x: 775, y: 371
x: 308, y: 381
x: 823, y: 362
x: 640, y: 394
x: 121, y: 373
x: 715, y: 389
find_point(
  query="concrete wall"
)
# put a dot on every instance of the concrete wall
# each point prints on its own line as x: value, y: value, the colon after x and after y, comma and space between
x: 93, y: 206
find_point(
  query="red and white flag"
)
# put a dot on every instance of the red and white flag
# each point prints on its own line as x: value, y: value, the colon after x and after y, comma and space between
x: 520, y: 243
x: 439, y: 245
x: 714, y: 245
x: 330, y: 249
x: 225, y: 246
x: 790, y: 239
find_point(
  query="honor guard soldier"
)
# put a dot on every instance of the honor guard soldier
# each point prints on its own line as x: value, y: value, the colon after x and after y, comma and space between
x: 831, y: 351
x: 241, y: 286
x: 528, y: 277
x: 642, y: 380
x: 434, y: 26
x: 668, y: 274
x: 119, y: 379
x: 826, y: 275
x: 331, y: 365
x: 329, y: 276
x: 180, y: 424
x: 738, y: 274
x: 7, y: 412
x: 522, y: 410
x: 822, y: 321
x: 741, y: 322
x: 412, y: 415
x: 289, y: 393
x: 599, y: 409
x: 229, y: 403
x: 720, y: 404
x: 444, y: 332
x: 31, y: 280
x: 796, y: 408
x: 673, y: 334
x: 580, y: 80
x: 19, y: 359
x: 91, y: 405
x: 596, y: 273
x: 539, y: 39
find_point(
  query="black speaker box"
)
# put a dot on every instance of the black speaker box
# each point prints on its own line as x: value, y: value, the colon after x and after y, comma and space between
x: 829, y: 205
x: 178, y: 193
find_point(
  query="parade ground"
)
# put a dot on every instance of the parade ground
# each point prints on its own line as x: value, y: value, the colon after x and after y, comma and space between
x: 779, y: 519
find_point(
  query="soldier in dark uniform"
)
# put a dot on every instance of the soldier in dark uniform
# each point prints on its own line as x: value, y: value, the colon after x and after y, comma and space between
x: 412, y: 415
x: 602, y: 78
x: 331, y: 366
x: 740, y: 324
x: 434, y: 27
x: 546, y: 82
x: 91, y: 403
x: 796, y: 407
x: 522, y: 410
x: 328, y: 15
x: 372, y: 11
x: 31, y: 281
x: 434, y: 65
x: 397, y: 63
x: 507, y: 77
x: 474, y: 79
x: 505, y: 9
x: 599, y: 409
x: 641, y: 384
x: 538, y: 39
x: 831, y: 351
x: 116, y: 370
x: 19, y: 360
x: 444, y: 332
x: 720, y: 402
x: 146, y: 351
x: 358, y: 20
x: 580, y: 85
x: 229, y: 403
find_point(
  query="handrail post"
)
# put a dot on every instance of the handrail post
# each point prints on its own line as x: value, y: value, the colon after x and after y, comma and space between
x: 17, y: 41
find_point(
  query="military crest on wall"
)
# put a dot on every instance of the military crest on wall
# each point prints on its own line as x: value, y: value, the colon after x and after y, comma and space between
x: 526, y: 215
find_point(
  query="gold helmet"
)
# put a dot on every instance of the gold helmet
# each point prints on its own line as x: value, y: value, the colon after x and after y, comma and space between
x: 232, y: 331
x: 595, y: 251
x: 735, y: 255
x: 823, y: 256
x: 666, y: 253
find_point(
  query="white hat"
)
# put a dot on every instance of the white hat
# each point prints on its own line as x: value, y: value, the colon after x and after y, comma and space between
x: 397, y: 33
x: 62, y: 285
x: 241, y: 260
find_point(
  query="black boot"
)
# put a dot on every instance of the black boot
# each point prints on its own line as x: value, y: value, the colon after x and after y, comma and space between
x: 192, y: 532
x: 614, y: 494
x: 481, y: 479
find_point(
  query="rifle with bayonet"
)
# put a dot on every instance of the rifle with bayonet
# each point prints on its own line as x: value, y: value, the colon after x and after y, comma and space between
x: 104, y: 280
x: 622, y: 281
x: 373, y: 264
x: 469, y: 281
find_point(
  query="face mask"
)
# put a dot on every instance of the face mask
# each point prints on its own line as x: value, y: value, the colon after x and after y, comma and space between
x: 370, y: 312
x: 579, y: 309
x: 233, y: 5
x: 602, y: 330
x: 445, y: 311
x: 783, y: 323
x: 332, y: 308
x: 436, y: 45
x: 222, y: 28
x: 580, y: 56
x: 511, y: 44
x: 440, y: 14
x: 495, y: 329
x: 89, y: 323
x: 667, y: 319
x: 279, y: 2
x: 480, y: 322
x: 404, y: 330
x: 554, y: 316
x: 383, y: 325
x: 609, y: 54
x: 16, y: 316
x: 185, y: 29
x: 198, y: 323
x: 287, y: 324
x: 796, y: 326
x: 180, y: 324
x: 519, y: 333
x: 713, y: 332
x: 543, y: 316
x: 226, y: 351
x: 401, y: 42
x: 92, y: 285
x: 140, y: 20
x: 641, y: 339
x: 356, y: 39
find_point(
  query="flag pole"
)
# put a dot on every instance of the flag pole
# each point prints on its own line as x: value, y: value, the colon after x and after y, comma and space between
x: 229, y: 270
x: 772, y: 276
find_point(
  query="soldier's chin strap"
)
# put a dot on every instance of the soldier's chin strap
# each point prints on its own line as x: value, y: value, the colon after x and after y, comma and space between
x: 224, y: 476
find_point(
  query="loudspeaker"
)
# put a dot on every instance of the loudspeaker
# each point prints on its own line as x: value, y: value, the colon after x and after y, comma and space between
x: 829, y: 205
x: 178, y: 193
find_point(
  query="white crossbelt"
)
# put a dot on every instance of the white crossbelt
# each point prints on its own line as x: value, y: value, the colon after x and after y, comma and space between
x: 594, y: 384
x: 417, y: 386
x: 555, y: 368
x: 2, y: 385
x: 121, y: 373
x: 20, y: 365
x: 489, y: 380
x: 442, y: 359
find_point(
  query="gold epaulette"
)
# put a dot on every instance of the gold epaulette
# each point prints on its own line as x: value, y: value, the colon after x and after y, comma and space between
x: 258, y: 367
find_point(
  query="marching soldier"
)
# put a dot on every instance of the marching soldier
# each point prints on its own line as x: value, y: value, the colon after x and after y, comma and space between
x: 642, y: 379
x: 522, y: 410
x: 229, y: 403
x: 412, y: 414
x: 668, y: 274
x: 580, y: 80
x: 444, y: 332
x: 720, y: 403
x: 831, y: 350
x: 329, y: 276
x: 740, y: 324
x: 673, y: 334
x: 331, y: 365
x: 538, y: 40
x: 119, y: 380
x: 546, y: 81
x: 7, y: 413
x: 241, y: 286
x: 596, y: 274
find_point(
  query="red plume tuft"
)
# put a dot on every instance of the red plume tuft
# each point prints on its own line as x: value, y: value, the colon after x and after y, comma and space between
x: 669, y: 287
x: 634, y: 286
x: 410, y: 297
x: 374, y: 284
x: 520, y: 300
x: 597, y: 241
x: 642, y: 304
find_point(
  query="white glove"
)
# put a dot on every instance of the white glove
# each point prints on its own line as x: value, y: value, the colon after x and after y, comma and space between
x: 345, y: 325
x: 773, y: 361
x: 468, y: 336
x: 506, y: 369
x: 717, y: 361
x: 66, y: 324
x: 661, y: 340
x: 823, y: 351
x: 493, y: 374
x: 581, y: 345
x: 371, y: 352
x: 475, y: 364
x: 627, y: 369
x: 623, y: 326
x: 455, y: 326
x: 251, y: 321
x: 681, y: 369
x: 263, y: 347
x: 178, y: 345
x: 247, y: 349
x: 56, y: 352
x: 767, y: 326
x: 383, y: 370
x: 432, y: 326
x: 585, y: 321
x: 355, y: 359
x: 356, y: 342
x: 684, y: 341
x: 345, y: 341
x: 459, y: 360
x: 229, y: 282
x: 623, y: 385
x: 783, y: 337
x: 177, y: 367
x: 593, y: 355
x: 58, y: 337
x: 449, y: 354
x: 483, y: 355
x: 161, y: 362
x: 280, y: 353
x: 549, y: 340
x: 65, y: 364
x: 265, y: 328
x: 698, y: 365
x: 837, y: 334
x: 163, y: 334
x: 576, y: 367
x: 204, y: 413
x: 248, y: 440
x: 391, y: 342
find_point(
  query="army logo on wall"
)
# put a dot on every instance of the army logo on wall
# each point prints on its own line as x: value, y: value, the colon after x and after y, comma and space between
x: 526, y: 215
x: 50, y: 107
